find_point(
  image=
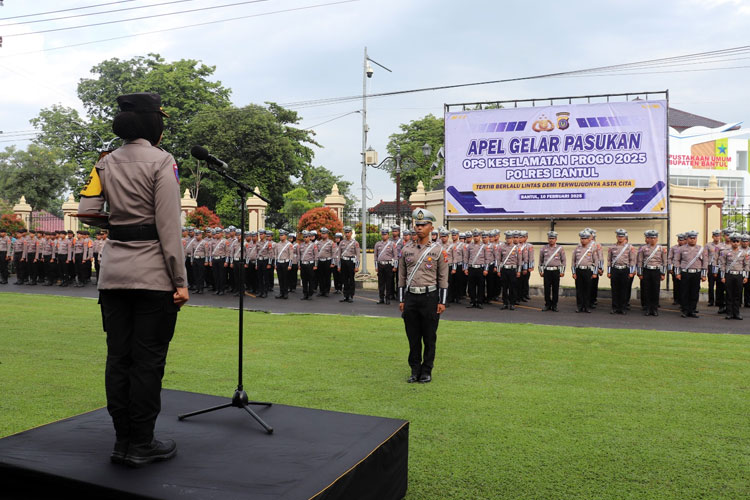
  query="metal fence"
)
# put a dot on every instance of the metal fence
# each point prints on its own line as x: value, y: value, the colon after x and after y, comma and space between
x: 738, y: 218
x: 45, y: 221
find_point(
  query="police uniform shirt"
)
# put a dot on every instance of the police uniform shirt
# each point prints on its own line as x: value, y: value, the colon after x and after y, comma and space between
x: 734, y: 262
x: 652, y: 257
x: 385, y: 252
x: 459, y: 253
x: 190, y: 247
x: 201, y: 249
x: 448, y: 253
x: 308, y: 253
x: 266, y: 250
x: 622, y: 255
x: 295, y: 254
x: 527, y: 254
x: 349, y: 250
x: 673, y: 255
x: 5, y: 243
x: 433, y: 268
x: 509, y: 254
x: 691, y: 257
x: 585, y: 256
x: 284, y: 251
x: 326, y: 249
x: 220, y: 249
x: 139, y: 183
x: 477, y: 254
x: 714, y: 250
x: 554, y: 254
x: 47, y: 247
x: 251, y: 254
x: 20, y: 245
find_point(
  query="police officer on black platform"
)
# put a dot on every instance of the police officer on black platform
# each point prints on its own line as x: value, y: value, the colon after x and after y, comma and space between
x: 423, y: 292
x: 139, y: 305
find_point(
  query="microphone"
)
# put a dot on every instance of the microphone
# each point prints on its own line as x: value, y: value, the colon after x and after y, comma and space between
x: 201, y: 153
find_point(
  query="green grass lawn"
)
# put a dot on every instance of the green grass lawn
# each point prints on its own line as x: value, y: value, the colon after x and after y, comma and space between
x: 514, y: 411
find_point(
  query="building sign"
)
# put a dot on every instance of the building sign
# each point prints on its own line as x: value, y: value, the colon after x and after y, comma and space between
x: 585, y: 159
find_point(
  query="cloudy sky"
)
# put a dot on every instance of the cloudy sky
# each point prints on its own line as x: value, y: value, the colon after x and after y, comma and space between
x: 295, y: 50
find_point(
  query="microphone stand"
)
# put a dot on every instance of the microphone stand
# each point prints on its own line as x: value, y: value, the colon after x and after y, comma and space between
x: 240, y: 399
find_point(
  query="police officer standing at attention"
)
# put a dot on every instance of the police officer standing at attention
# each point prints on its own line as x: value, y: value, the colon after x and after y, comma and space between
x: 734, y: 265
x: 691, y: 265
x: 423, y: 291
x: 652, y: 269
x: 551, y: 268
x: 622, y: 262
x: 584, y: 265
x: 5, y: 247
x: 140, y: 184
x: 348, y: 263
x: 283, y: 257
x: 385, y: 255
x: 714, y: 247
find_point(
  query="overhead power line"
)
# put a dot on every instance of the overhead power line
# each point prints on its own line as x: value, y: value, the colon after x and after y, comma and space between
x: 152, y: 16
x: 68, y: 10
x: 237, y: 18
x: 651, y: 64
x: 96, y: 13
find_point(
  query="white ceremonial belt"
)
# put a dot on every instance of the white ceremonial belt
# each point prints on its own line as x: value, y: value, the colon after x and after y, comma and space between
x: 653, y: 267
x: 308, y: 262
x: 282, y: 261
x: 385, y: 261
x: 734, y: 272
x: 511, y: 267
x: 419, y: 290
x: 348, y: 258
x: 551, y: 268
x: 621, y: 267
x: 693, y: 271
x: 474, y: 266
x: 325, y: 260
x: 586, y: 268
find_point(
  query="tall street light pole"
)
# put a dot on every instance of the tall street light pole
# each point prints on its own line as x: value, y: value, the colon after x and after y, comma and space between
x: 366, y: 73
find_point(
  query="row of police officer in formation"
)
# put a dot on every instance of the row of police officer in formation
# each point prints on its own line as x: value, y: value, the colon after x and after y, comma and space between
x: 50, y: 257
x: 215, y: 257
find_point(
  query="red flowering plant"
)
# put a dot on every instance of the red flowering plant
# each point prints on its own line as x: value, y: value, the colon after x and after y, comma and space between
x: 11, y: 223
x: 316, y: 218
x: 203, y: 217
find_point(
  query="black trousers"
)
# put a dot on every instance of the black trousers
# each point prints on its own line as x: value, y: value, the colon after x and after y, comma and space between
x: 421, y: 322
x: 746, y: 289
x: 721, y: 294
x: 711, y: 286
x: 551, y: 287
x: 338, y: 279
x: 282, y: 270
x: 509, y: 283
x: 199, y: 273
x: 97, y: 266
x: 619, y: 282
x: 50, y: 269
x: 269, y: 278
x: 262, y: 275
x: 476, y: 284
x: 292, y: 277
x: 583, y: 288
x: 690, y: 285
x: 62, y: 268
x: 594, y: 290
x: 676, y: 293
x: 733, y: 288
x: 492, y: 282
x: 307, y: 274
x: 650, y: 286
x: 3, y: 266
x: 20, y: 267
x: 524, y: 285
x: 139, y: 326
x: 251, y: 278
x: 217, y: 266
x: 454, y: 283
x: 385, y: 280
x: 324, y: 276
x: 347, y: 277
x: 188, y: 269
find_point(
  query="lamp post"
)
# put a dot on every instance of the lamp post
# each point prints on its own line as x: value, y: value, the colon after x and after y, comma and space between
x: 366, y: 73
x: 387, y: 163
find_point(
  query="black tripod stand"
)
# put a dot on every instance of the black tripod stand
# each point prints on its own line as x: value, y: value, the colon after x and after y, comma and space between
x: 240, y: 399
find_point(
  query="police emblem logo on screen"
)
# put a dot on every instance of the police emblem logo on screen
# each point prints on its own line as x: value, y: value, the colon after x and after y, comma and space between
x: 563, y: 120
x: 543, y: 124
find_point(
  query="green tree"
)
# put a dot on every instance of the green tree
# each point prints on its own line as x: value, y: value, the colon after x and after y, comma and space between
x: 318, y: 182
x: 185, y: 88
x: 413, y: 136
x: 261, y: 145
x: 297, y: 201
x: 38, y: 173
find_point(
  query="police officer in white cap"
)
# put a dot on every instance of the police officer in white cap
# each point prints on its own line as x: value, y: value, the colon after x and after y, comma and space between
x: 423, y: 292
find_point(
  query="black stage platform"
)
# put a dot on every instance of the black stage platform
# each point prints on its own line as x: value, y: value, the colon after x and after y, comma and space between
x: 224, y: 455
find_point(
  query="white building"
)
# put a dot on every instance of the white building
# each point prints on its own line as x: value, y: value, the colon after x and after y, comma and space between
x: 700, y: 148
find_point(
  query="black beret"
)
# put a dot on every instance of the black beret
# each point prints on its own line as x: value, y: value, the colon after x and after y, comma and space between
x: 141, y: 102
